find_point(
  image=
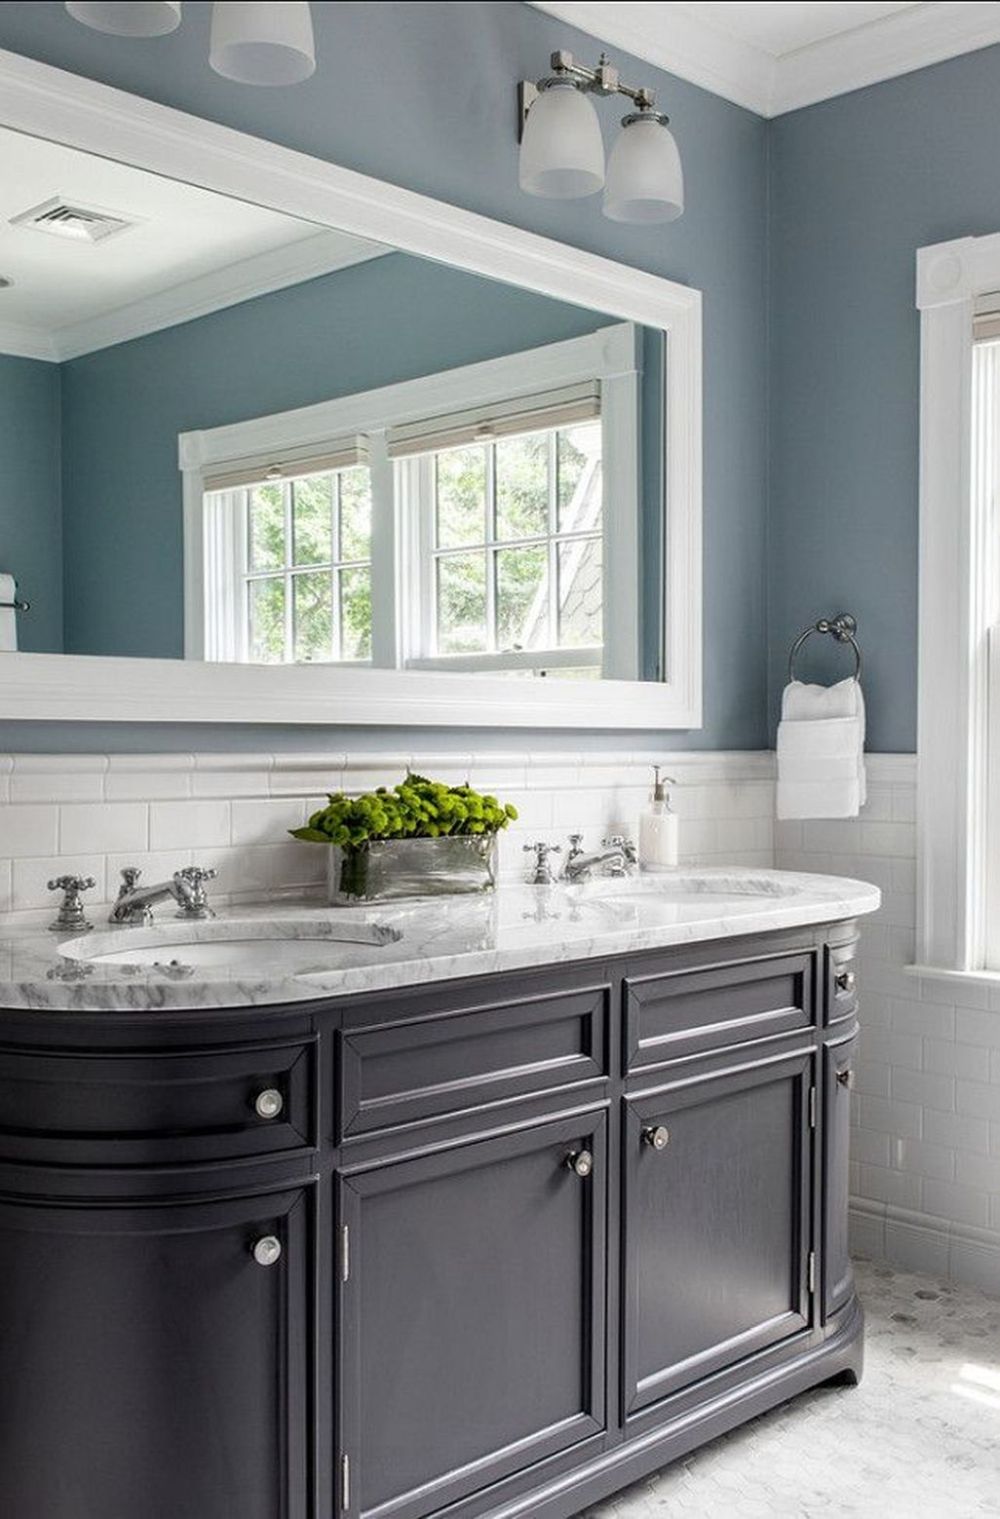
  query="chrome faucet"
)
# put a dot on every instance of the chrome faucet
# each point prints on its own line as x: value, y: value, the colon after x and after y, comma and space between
x: 616, y: 858
x: 134, y: 904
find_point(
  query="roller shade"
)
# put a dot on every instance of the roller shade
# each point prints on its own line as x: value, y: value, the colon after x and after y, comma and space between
x: 240, y: 473
x: 986, y: 320
x: 481, y: 424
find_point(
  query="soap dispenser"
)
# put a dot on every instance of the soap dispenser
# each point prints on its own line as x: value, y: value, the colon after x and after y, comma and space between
x: 658, y: 829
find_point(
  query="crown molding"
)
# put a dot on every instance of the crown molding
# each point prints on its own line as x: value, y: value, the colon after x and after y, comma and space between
x: 323, y: 253
x: 898, y: 44
x: 679, y: 44
x: 17, y: 342
x: 749, y: 76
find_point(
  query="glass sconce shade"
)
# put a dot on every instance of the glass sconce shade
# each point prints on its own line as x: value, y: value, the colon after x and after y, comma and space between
x: 562, y: 151
x: 260, y: 42
x: 645, y: 177
x: 128, y: 18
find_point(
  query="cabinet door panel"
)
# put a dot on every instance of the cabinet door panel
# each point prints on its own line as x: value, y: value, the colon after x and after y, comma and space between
x: 473, y: 1314
x: 838, y: 1275
x: 151, y: 1367
x: 716, y: 1224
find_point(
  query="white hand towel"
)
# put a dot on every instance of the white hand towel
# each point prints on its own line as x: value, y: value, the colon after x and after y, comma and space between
x: 8, y: 617
x: 821, y: 751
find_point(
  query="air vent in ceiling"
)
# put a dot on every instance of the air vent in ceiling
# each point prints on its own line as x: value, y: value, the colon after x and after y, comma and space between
x: 66, y: 218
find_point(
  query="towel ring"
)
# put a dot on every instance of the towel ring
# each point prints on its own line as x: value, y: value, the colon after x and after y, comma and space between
x: 843, y: 628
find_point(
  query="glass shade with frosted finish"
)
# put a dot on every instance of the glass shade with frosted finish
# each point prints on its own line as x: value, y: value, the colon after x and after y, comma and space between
x: 562, y: 150
x: 645, y: 178
x: 128, y: 18
x: 259, y: 42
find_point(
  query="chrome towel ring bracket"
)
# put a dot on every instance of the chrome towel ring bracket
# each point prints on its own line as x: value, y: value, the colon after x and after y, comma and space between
x: 843, y: 628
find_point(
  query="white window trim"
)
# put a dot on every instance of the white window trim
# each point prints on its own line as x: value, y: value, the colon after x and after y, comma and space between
x: 956, y: 830
x: 608, y: 355
x: 56, y: 105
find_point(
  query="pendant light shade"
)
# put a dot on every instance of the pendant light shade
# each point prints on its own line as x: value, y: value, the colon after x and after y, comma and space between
x: 261, y: 42
x: 562, y: 151
x: 128, y: 18
x: 645, y: 177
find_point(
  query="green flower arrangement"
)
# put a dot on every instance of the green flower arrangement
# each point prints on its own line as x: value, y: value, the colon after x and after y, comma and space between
x: 415, y: 809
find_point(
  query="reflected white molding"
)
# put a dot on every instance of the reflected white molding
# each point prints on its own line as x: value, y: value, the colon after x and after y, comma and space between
x: 952, y: 789
x: 51, y: 103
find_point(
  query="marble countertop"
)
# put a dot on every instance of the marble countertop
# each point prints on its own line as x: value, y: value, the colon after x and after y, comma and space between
x: 297, y: 951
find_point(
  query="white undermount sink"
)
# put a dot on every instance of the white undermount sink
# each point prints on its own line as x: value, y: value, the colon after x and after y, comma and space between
x: 239, y: 946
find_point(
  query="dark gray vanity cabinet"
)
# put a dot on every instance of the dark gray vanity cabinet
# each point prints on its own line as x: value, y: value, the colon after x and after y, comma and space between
x: 717, y: 1196
x: 838, y: 1080
x: 473, y: 1312
x: 488, y: 1249
x: 151, y: 1365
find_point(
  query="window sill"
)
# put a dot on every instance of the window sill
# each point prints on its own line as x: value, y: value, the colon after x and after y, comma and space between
x: 959, y: 977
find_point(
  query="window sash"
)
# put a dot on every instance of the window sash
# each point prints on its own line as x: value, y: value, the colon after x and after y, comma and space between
x: 418, y: 482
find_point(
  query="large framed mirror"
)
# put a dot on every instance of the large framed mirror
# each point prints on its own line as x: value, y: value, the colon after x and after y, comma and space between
x: 282, y: 443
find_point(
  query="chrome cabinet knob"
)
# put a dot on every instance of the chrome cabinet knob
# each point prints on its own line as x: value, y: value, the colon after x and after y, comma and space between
x: 845, y: 981
x: 266, y: 1251
x: 657, y: 1137
x: 268, y: 1103
x: 846, y: 1079
x: 581, y: 1162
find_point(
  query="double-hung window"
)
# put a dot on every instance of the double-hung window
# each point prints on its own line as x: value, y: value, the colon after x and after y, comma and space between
x: 463, y: 521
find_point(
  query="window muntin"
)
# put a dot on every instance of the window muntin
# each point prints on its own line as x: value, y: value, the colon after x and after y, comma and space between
x: 306, y: 572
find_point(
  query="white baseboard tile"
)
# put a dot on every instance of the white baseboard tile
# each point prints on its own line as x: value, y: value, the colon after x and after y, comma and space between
x: 917, y: 1242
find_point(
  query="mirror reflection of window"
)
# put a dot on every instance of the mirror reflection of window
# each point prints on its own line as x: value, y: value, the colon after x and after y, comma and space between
x: 517, y: 549
x: 307, y: 574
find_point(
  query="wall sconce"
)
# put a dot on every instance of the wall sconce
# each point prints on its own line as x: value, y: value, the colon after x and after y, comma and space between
x: 128, y: 18
x: 562, y: 150
x: 253, y: 41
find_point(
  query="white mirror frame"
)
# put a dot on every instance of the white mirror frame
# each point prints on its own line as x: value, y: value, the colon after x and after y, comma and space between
x: 62, y: 107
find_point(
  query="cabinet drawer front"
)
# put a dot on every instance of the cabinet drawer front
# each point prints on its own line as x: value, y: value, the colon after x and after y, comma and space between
x: 688, y: 1012
x: 158, y: 1107
x: 841, y: 981
x: 431, y: 1066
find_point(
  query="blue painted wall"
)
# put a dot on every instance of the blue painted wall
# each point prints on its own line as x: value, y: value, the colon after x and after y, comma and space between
x: 30, y: 506
x: 858, y: 184
x: 394, y: 318
x: 377, y: 104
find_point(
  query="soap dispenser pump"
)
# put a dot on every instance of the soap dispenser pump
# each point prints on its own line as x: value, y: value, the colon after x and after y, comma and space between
x: 658, y: 828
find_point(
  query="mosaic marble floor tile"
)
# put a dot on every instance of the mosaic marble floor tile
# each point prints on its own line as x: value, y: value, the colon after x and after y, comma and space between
x: 918, y: 1439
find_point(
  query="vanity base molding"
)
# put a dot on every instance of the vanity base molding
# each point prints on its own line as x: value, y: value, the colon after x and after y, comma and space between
x: 840, y: 1358
x: 479, y: 1249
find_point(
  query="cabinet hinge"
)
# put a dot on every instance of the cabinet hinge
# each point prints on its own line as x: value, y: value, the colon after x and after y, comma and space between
x: 345, y: 1482
x: 812, y: 1271
x: 345, y: 1253
x: 812, y: 1107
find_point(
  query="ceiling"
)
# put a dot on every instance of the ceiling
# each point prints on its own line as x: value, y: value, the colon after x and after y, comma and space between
x: 188, y: 252
x: 776, y: 57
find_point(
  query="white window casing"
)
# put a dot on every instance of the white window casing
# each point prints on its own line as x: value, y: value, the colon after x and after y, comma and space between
x: 957, y: 816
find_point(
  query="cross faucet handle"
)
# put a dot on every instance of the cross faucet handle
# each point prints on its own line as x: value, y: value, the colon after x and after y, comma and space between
x: 191, y: 883
x: 70, y: 916
x: 542, y: 875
